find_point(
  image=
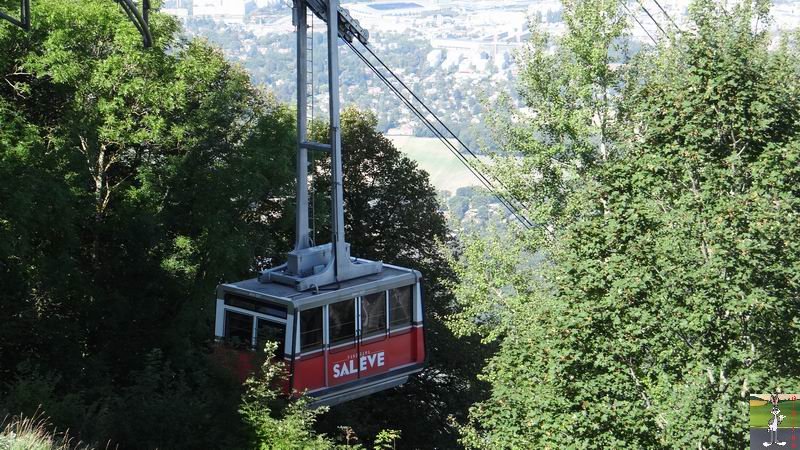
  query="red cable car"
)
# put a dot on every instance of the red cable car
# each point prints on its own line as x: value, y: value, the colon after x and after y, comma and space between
x: 362, y: 337
x: 346, y: 327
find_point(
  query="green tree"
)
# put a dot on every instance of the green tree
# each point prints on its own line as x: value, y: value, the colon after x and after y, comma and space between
x: 668, y: 290
x: 276, y: 424
x: 133, y: 181
x: 458, y: 206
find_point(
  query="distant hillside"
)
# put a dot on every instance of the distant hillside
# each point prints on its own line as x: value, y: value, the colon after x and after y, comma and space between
x: 446, y: 171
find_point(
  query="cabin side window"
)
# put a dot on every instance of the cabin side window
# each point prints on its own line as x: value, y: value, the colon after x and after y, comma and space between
x: 239, y: 332
x: 260, y: 306
x: 238, y: 329
x: 342, y: 321
x: 373, y: 314
x: 400, y: 307
x: 311, y: 329
x: 268, y: 330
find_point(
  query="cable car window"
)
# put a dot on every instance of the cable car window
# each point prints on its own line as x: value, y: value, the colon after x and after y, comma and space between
x: 311, y: 329
x: 256, y: 305
x: 238, y: 329
x: 342, y: 321
x: 400, y: 307
x: 270, y: 331
x: 373, y: 313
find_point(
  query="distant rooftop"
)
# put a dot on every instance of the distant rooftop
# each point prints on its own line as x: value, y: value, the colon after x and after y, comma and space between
x: 397, y: 5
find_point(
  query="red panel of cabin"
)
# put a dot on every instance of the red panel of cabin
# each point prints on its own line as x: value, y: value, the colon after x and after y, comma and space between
x: 373, y: 356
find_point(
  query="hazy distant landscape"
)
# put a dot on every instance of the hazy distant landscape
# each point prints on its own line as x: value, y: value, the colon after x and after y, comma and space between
x: 446, y: 171
x: 457, y: 55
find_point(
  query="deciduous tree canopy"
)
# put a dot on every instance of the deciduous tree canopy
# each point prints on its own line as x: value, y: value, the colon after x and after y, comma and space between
x: 669, y: 288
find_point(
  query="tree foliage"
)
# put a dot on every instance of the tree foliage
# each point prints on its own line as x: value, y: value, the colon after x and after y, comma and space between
x: 668, y: 291
x: 133, y: 180
x: 263, y: 401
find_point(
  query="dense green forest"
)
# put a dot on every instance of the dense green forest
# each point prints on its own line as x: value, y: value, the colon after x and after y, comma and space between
x: 658, y: 288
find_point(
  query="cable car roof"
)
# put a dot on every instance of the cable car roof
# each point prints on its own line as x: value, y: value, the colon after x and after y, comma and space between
x: 390, y: 277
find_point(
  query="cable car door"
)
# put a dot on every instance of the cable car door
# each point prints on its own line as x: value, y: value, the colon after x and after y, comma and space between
x: 342, y: 352
x: 372, y: 336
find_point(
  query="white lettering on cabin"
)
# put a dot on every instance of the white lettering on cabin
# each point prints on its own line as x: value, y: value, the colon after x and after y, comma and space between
x: 365, y: 362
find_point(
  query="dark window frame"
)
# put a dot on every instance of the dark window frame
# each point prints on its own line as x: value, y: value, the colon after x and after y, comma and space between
x: 280, y: 351
x: 404, y: 322
x: 255, y: 305
x: 365, y: 333
x: 226, y: 329
x: 340, y: 338
x: 316, y: 344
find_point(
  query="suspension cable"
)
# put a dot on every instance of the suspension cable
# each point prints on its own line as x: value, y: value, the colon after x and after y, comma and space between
x: 507, y: 203
x: 514, y: 209
x: 425, y: 121
x: 668, y: 16
x: 636, y: 19
x: 658, y: 25
x: 463, y: 145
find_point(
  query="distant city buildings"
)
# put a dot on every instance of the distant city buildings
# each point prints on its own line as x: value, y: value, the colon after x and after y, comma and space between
x: 470, y: 37
x: 456, y: 20
x: 228, y: 11
x: 458, y: 55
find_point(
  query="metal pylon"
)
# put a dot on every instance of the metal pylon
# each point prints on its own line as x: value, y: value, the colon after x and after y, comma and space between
x: 312, y: 265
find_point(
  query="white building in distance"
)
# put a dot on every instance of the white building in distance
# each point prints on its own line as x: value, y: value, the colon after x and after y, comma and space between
x: 228, y: 11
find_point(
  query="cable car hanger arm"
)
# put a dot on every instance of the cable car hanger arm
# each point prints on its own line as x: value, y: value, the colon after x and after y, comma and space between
x: 349, y: 28
x: 24, y: 20
x: 140, y: 20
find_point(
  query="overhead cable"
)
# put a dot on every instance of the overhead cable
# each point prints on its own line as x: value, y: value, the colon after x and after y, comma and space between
x: 516, y: 206
x: 658, y: 25
x: 480, y: 176
x: 513, y: 208
x: 633, y: 16
x: 454, y: 136
x: 668, y: 16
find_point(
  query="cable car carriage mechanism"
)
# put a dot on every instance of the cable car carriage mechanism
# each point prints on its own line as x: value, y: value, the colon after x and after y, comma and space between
x: 345, y: 327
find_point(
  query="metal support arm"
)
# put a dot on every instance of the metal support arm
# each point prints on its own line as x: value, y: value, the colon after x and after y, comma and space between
x: 140, y: 20
x: 325, y: 264
x: 24, y: 20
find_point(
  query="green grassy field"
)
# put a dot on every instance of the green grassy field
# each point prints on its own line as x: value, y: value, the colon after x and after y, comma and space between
x: 445, y: 169
x: 760, y: 415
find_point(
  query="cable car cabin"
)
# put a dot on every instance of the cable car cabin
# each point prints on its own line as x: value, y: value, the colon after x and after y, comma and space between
x: 346, y: 327
x: 362, y: 336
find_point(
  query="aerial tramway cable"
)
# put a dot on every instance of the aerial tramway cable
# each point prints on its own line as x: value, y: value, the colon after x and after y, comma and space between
x: 658, y: 25
x: 668, y: 16
x: 514, y: 204
x: 636, y: 19
x: 499, y: 181
x: 514, y: 209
